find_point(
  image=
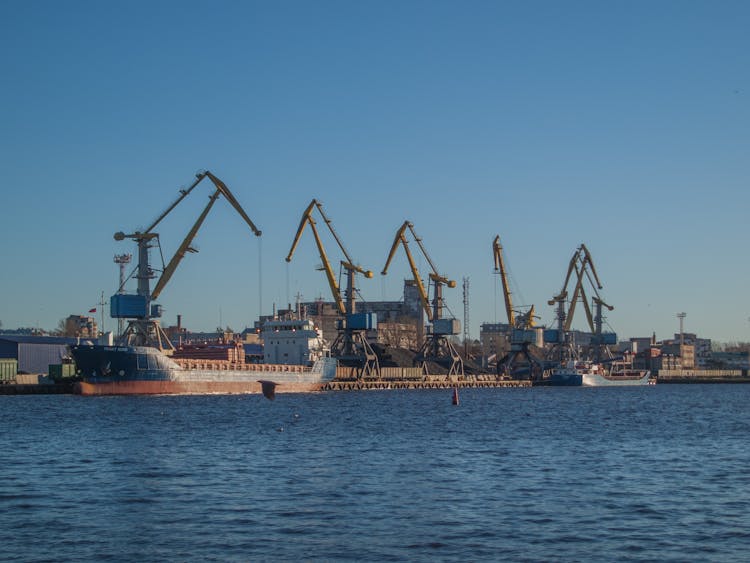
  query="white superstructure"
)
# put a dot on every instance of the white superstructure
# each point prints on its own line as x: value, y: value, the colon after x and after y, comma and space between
x: 295, y: 341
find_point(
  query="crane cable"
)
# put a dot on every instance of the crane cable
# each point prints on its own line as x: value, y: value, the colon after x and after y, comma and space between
x: 260, y: 276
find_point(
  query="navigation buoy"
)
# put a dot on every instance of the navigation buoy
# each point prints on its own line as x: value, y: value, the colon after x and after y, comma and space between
x: 455, y: 395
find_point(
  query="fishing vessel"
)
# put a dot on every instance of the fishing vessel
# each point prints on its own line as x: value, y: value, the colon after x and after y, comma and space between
x: 145, y: 370
x: 573, y: 373
x: 590, y: 374
x: 616, y: 377
x: 565, y: 376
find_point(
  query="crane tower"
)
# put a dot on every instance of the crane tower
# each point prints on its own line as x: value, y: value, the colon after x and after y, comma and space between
x: 122, y: 260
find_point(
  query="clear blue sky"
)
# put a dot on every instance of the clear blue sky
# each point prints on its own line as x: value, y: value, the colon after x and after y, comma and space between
x: 621, y: 125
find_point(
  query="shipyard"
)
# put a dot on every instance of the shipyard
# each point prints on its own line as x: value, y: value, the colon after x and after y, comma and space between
x: 423, y: 281
x: 345, y: 343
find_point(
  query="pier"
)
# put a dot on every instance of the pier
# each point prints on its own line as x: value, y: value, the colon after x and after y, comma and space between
x: 704, y: 376
x: 363, y: 385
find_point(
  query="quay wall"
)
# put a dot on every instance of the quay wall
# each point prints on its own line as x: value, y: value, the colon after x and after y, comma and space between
x: 703, y: 376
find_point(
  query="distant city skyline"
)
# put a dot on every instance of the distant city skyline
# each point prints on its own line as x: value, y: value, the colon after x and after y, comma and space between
x: 624, y: 126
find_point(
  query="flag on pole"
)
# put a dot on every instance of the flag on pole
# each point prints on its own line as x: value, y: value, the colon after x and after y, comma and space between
x: 92, y: 310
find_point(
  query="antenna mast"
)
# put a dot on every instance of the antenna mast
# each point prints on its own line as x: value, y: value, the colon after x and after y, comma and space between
x: 681, y: 316
x: 466, y: 317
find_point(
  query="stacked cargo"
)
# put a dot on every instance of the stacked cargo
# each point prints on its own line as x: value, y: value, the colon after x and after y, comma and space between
x: 225, y: 365
x: 401, y: 373
x: 58, y: 372
x: 8, y: 370
x: 232, y: 353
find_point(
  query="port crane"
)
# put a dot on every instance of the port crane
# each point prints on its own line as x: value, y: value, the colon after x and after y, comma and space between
x: 582, y: 264
x: 143, y: 327
x: 436, y: 347
x: 523, y: 320
x: 521, y: 326
x: 351, y: 347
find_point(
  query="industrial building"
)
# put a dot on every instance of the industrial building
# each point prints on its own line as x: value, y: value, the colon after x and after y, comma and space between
x: 396, y: 320
x: 80, y: 325
x: 495, y: 341
x: 35, y: 353
x: 701, y: 349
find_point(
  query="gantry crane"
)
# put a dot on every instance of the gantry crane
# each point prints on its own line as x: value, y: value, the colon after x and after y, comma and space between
x: 143, y: 328
x: 583, y: 265
x: 521, y: 328
x: 351, y: 347
x: 436, y: 347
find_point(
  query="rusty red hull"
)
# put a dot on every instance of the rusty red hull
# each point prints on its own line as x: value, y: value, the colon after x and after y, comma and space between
x: 188, y: 388
x: 143, y: 370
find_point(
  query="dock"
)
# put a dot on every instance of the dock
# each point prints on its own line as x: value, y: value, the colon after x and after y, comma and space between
x: 704, y: 376
x: 364, y: 385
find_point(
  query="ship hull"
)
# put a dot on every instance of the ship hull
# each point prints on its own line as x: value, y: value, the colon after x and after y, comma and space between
x: 565, y: 378
x: 188, y: 387
x: 597, y: 380
x: 123, y: 370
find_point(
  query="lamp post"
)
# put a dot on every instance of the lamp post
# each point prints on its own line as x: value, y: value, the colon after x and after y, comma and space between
x: 681, y: 316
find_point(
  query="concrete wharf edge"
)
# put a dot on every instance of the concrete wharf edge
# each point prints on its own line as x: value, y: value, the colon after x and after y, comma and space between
x: 362, y: 385
x: 666, y: 379
x: 335, y: 385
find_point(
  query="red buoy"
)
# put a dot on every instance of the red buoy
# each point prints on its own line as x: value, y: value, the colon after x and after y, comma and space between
x: 455, y: 395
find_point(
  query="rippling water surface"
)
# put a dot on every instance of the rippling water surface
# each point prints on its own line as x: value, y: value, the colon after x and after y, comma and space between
x: 510, y: 474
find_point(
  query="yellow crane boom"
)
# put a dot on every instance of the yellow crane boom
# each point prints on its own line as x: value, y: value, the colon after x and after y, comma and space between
x: 143, y: 238
x: 348, y: 264
x: 183, y: 249
x: 350, y: 348
x: 497, y: 251
x: 436, y: 347
x: 143, y: 329
x: 436, y: 311
x: 401, y: 238
x: 221, y: 189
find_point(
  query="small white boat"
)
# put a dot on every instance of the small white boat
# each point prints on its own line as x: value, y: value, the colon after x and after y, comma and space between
x: 620, y: 374
x: 600, y: 380
x: 573, y: 373
x: 591, y: 374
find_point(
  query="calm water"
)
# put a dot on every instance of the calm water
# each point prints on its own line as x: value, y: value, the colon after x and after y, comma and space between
x: 511, y: 474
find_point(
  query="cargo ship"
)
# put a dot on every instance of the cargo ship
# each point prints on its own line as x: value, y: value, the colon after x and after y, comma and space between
x: 144, y: 370
x: 296, y: 360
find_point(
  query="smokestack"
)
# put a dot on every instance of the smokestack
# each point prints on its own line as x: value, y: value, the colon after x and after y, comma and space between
x: 179, y: 323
